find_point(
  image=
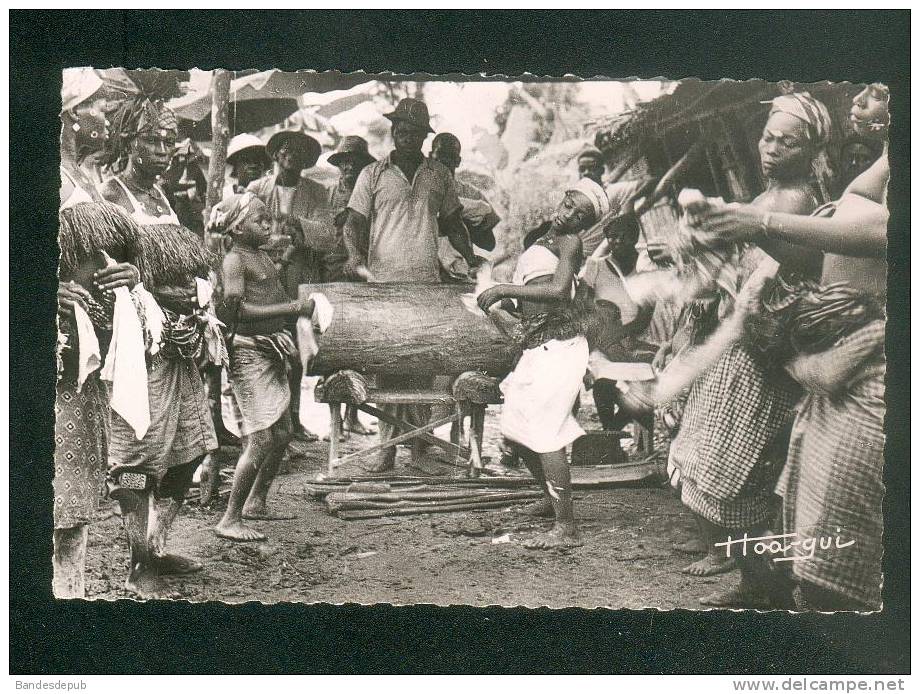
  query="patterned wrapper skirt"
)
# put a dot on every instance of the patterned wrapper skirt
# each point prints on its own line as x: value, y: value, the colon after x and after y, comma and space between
x: 181, y: 428
x: 833, y: 486
x: 725, y: 448
x: 80, y: 440
x: 259, y: 383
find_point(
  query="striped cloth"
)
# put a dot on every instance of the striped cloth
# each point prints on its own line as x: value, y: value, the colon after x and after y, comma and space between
x: 833, y: 484
x: 725, y: 447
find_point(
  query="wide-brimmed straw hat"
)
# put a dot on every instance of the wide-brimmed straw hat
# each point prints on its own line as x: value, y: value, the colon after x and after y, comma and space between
x: 351, y: 145
x: 411, y: 111
x: 244, y: 142
x: 310, y: 144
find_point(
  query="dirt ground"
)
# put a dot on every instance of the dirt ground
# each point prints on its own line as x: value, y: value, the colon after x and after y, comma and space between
x: 472, y: 558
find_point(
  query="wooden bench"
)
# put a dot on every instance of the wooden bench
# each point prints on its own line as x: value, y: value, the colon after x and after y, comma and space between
x: 465, y: 445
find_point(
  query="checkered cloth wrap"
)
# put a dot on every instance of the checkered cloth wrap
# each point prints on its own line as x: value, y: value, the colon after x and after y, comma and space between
x: 724, y: 446
x: 832, y: 483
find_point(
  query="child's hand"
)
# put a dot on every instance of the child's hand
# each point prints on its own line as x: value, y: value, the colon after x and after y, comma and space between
x: 119, y: 275
x: 70, y: 294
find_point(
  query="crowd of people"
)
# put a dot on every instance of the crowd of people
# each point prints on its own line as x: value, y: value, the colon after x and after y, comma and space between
x: 768, y: 375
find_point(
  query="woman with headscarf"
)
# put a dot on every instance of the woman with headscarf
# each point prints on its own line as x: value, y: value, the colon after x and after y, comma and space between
x: 541, y: 391
x: 730, y: 445
x: 162, y: 463
x: 832, y: 336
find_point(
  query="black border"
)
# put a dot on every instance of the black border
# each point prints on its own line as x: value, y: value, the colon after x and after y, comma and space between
x: 126, y: 637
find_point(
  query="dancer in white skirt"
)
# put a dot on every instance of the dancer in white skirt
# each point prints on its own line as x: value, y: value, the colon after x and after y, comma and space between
x: 539, y: 394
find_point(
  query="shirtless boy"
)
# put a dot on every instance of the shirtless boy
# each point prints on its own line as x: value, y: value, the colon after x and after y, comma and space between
x: 255, y: 307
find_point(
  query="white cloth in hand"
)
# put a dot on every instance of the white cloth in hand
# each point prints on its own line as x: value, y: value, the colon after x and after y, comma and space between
x: 88, y: 358
x: 125, y: 365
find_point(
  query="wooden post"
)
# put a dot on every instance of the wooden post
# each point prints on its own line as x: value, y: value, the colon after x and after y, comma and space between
x: 220, y: 136
x: 335, y: 432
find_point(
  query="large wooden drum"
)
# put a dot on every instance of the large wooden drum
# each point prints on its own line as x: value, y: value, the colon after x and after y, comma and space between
x: 410, y: 329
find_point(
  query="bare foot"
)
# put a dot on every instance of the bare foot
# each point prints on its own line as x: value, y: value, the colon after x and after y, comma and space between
x: 693, y: 546
x: 710, y: 566
x: 238, y: 532
x: 559, y: 537
x: 257, y: 510
x: 736, y: 597
x: 144, y: 582
x: 357, y: 427
x: 304, y: 435
x: 175, y: 565
x: 379, y: 466
x: 539, y: 509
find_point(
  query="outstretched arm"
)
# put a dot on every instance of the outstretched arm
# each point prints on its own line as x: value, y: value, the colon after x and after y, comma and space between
x: 858, y: 229
x: 234, y: 308
x: 557, y: 290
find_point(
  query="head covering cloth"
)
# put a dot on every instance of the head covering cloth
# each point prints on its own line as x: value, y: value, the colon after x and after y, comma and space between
x: 810, y: 111
x: 595, y: 194
x: 230, y: 212
x: 138, y: 115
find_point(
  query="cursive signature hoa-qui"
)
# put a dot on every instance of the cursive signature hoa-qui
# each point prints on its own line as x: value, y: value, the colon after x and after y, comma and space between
x: 783, y: 543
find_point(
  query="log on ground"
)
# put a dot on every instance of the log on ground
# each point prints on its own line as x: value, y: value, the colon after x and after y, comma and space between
x: 410, y: 329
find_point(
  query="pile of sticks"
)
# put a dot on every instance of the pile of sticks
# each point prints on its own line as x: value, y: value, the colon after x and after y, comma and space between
x: 356, y: 503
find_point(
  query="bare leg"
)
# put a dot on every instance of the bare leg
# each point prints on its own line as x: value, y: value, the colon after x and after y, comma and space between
x: 544, y: 507
x: 255, y: 507
x: 697, y: 544
x: 231, y: 526
x: 715, y: 561
x: 174, y: 486
x: 70, y: 562
x: 759, y: 586
x: 386, y: 458
x: 558, y: 483
x: 143, y: 579
x: 210, y: 479
x: 353, y: 424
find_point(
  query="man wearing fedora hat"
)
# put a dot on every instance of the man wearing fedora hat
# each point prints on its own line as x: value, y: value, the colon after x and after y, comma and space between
x: 349, y: 158
x: 398, y: 205
x: 591, y: 164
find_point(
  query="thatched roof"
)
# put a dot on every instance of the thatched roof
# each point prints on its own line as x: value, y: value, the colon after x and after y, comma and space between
x: 696, y: 100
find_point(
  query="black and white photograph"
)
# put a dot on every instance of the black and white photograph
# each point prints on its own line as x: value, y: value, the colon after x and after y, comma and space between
x: 436, y: 342
x: 330, y: 337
